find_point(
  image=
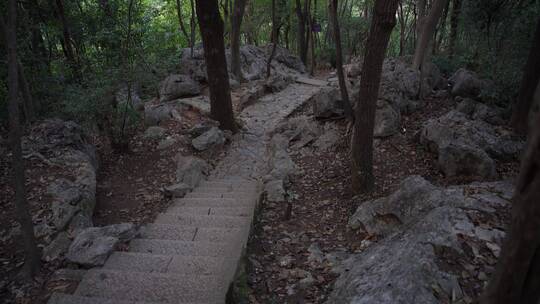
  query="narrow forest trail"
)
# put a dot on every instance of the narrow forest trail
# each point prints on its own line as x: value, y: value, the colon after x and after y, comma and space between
x: 191, y: 251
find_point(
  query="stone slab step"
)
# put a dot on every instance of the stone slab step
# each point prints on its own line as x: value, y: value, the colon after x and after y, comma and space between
x: 226, y: 189
x: 154, y: 263
x: 172, y: 247
x: 212, y: 202
x: 232, y: 211
x: 203, y: 221
x: 178, y: 233
x: 152, y: 287
x: 227, y: 184
x: 237, y: 195
x: 62, y: 298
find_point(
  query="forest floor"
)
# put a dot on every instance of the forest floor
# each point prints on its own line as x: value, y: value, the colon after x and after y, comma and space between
x: 285, y: 255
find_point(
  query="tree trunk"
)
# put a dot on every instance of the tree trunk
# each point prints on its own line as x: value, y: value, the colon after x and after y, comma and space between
x: 383, y: 21
x: 302, y: 48
x: 311, y: 38
x: 427, y: 30
x: 32, y: 259
x: 531, y: 76
x: 211, y: 26
x: 193, y: 25
x: 275, y: 33
x: 454, y: 22
x: 332, y: 10
x: 517, y: 275
x: 67, y: 42
x: 236, y: 27
x: 181, y: 20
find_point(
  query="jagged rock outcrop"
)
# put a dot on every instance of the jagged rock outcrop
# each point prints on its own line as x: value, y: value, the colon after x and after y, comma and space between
x: 468, y: 147
x: 424, y: 228
x: 466, y: 83
x: 177, y: 86
x: 209, y: 139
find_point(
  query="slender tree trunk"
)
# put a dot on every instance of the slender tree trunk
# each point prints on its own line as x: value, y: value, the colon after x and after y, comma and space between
x: 275, y: 33
x: 181, y: 20
x: 211, y: 26
x: 332, y: 9
x: 193, y: 25
x: 32, y: 260
x: 402, y: 28
x: 383, y: 21
x: 311, y: 39
x: 531, y: 75
x: 301, y: 32
x: 236, y: 27
x: 67, y: 41
x: 454, y: 22
x: 427, y: 30
x: 517, y: 275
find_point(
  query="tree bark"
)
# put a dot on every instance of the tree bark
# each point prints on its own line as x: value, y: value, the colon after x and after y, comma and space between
x: 274, y: 39
x: 67, y: 41
x: 428, y: 28
x: 192, y: 25
x: 531, y: 76
x: 32, y: 259
x: 236, y: 27
x: 181, y: 20
x: 302, y: 48
x: 384, y: 20
x: 211, y: 26
x: 517, y: 275
x: 454, y: 22
x: 332, y: 9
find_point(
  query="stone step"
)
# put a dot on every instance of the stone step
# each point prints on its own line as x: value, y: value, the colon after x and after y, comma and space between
x: 232, y: 211
x: 229, y: 184
x: 186, y: 265
x: 62, y: 298
x: 236, y: 195
x: 212, y: 202
x: 203, y: 221
x: 152, y: 287
x: 179, y: 233
x: 171, y: 247
x: 226, y: 189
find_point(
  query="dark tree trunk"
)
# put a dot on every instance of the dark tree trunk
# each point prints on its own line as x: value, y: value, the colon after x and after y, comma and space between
x: 531, y: 75
x: 275, y: 37
x: 454, y: 22
x: 302, y: 48
x: 429, y: 25
x: 181, y: 20
x: 211, y: 26
x: 383, y: 21
x: 517, y: 275
x: 332, y: 9
x: 192, y: 25
x: 311, y: 38
x: 32, y: 261
x: 236, y: 27
x: 67, y: 41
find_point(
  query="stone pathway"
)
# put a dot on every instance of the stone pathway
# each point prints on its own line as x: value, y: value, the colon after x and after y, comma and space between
x: 190, y: 253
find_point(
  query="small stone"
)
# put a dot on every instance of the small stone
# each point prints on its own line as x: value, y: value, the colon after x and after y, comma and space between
x: 154, y: 132
x: 286, y: 261
x: 178, y: 190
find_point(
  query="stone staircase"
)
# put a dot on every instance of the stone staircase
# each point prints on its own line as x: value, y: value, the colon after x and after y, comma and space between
x: 190, y: 253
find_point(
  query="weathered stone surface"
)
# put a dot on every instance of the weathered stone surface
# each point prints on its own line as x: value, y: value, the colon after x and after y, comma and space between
x: 69, y: 200
x: 57, y: 248
x: 477, y: 110
x: 177, y: 190
x: 466, y: 83
x: 300, y: 130
x: 209, y: 139
x: 387, y: 120
x: 424, y: 221
x: 154, y: 132
x: 198, y: 103
x: 202, y: 127
x: 277, y: 82
x: 470, y: 140
x: 191, y: 170
x: 93, y: 245
x: 328, y: 139
x: 275, y: 191
x: 176, y: 86
x: 327, y: 103
x: 280, y: 164
x: 156, y: 114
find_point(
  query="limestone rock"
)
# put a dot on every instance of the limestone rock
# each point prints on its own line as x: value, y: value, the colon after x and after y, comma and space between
x: 176, y: 86
x: 387, y: 120
x: 209, y: 139
x: 191, y: 170
x: 154, y: 132
x: 275, y: 191
x: 480, y: 111
x: 328, y: 139
x: 156, y: 114
x: 93, y: 246
x: 466, y: 83
x: 327, y: 103
x: 57, y: 248
x: 177, y: 190
x: 280, y: 164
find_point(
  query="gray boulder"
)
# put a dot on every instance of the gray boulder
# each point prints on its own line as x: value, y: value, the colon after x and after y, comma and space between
x: 177, y: 86
x: 154, y: 132
x: 156, y: 114
x: 480, y: 111
x: 280, y: 164
x: 57, y: 248
x: 466, y: 83
x: 461, y: 141
x: 275, y: 191
x: 326, y: 103
x: 93, y: 246
x: 300, y: 130
x: 277, y: 82
x: 71, y: 200
x: 202, y: 127
x: 191, y: 170
x: 387, y: 120
x: 209, y: 139
x: 328, y: 139
x: 421, y: 223
x: 177, y: 190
